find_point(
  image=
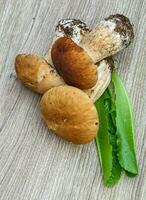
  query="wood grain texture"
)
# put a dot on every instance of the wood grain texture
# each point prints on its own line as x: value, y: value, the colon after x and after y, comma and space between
x: 34, y: 163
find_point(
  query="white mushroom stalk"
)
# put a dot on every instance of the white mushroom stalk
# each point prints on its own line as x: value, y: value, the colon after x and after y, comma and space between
x: 104, y: 78
x: 108, y: 37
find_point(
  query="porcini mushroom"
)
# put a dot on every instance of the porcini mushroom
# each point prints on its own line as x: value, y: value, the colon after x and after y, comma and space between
x: 108, y: 37
x: 70, y: 113
x: 73, y: 63
x: 74, y: 57
x: 76, y: 30
x: 36, y: 74
x: 70, y: 60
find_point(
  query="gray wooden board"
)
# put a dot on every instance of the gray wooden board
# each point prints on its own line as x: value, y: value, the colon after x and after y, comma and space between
x: 34, y: 163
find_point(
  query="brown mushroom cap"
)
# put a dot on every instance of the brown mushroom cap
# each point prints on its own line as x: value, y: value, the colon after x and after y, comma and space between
x: 73, y: 63
x: 36, y: 74
x: 70, y: 113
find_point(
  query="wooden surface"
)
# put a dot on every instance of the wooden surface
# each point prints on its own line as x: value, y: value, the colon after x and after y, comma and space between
x: 34, y: 163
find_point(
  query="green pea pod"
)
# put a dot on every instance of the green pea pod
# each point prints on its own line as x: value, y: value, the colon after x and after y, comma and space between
x: 125, y: 128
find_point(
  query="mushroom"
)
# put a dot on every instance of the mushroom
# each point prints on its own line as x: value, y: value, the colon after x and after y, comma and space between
x: 70, y: 60
x: 36, y: 74
x: 75, y: 55
x: 73, y: 63
x: 76, y: 30
x: 70, y: 113
x: 108, y: 37
x: 82, y: 72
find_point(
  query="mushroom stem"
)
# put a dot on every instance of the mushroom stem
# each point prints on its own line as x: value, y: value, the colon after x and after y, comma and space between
x: 104, y: 78
x: 108, y: 37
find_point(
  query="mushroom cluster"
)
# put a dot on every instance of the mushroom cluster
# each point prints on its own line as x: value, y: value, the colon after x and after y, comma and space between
x: 74, y: 73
